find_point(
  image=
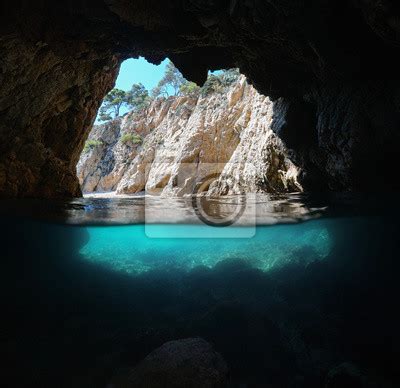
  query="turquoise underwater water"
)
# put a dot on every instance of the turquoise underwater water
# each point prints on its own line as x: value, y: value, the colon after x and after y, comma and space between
x: 89, y: 290
x: 133, y: 249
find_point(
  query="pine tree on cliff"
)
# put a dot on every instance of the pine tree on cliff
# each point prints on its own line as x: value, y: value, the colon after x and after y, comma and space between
x: 138, y: 97
x: 172, y: 80
x: 135, y: 99
x: 112, y: 104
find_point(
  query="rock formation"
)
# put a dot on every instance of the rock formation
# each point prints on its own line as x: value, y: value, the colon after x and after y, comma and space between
x: 190, y: 362
x: 224, y: 137
x: 334, y: 64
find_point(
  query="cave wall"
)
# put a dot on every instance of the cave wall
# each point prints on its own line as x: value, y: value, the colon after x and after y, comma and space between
x: 49, y: 101
x: 332, y: 65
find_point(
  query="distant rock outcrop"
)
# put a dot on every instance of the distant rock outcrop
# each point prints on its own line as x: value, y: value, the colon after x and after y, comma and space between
x: 177, y: 142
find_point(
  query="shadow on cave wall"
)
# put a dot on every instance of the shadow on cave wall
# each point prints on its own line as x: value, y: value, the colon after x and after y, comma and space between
x: 67, y: 322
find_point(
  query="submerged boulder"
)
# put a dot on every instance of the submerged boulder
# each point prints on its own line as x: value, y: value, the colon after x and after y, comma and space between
x: 345, y: 375
x: 190, y: 362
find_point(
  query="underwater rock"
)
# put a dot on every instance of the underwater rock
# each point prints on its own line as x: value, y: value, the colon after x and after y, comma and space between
x: 345, y: 375
x: 190, y: 362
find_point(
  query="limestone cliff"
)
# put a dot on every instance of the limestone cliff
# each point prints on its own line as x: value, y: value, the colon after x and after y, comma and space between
x: 225, y: 137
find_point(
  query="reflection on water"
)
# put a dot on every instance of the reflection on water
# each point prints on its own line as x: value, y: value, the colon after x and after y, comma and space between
x: 263, y: 209
x: 267, y: 209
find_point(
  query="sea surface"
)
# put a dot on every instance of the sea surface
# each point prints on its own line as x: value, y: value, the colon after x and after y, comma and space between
x: 290, y: 289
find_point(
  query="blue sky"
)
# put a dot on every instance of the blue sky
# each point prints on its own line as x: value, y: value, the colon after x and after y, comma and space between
x: 138, y: 70
x: 134, y: 71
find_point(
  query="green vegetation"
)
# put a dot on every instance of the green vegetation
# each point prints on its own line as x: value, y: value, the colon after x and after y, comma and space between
x: 217, y: 83
x: 230, y: 76
x: 131, y: 138
x: 172, y: 80
x: 190, y: 89
x: 112, y: 104
x: 91, y: 144
x: 138, y: 97
x: 172, y: 84
x: 135, y: 99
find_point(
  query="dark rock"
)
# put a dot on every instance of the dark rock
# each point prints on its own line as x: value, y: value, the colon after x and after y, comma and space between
x: 190, y: 362
x: 345, y: 375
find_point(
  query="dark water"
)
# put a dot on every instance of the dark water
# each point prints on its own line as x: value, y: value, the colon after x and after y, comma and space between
x: 297, y: 288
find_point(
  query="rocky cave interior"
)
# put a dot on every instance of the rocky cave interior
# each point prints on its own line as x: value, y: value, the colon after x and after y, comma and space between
x: 331, y: 67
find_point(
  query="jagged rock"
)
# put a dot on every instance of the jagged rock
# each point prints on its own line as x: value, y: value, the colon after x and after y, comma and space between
x: 186, y: 139
x: 190, y: 362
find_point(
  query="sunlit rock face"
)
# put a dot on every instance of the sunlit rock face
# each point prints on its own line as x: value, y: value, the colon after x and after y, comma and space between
x: 184, y: 140
x: 333, y: 65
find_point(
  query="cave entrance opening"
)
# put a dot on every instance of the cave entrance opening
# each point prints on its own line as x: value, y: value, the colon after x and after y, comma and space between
x: 128, y: 121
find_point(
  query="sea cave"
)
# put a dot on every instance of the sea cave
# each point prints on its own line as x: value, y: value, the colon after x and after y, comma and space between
x: 199, y: 193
